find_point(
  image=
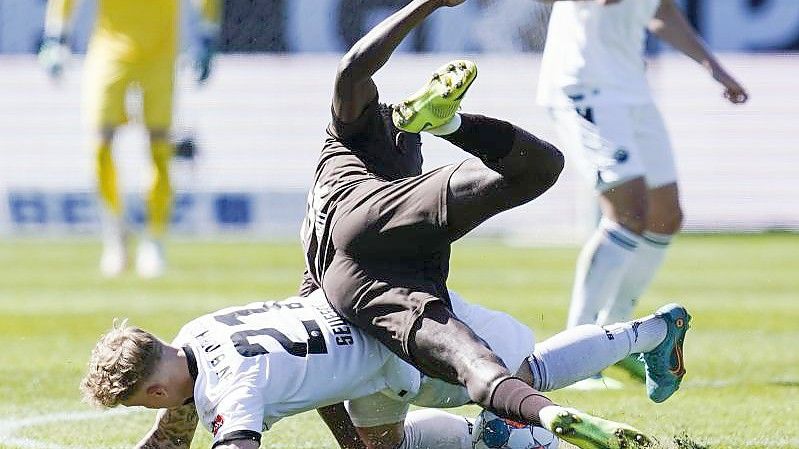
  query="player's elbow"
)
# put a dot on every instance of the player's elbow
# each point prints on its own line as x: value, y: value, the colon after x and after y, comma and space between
x: 345, y: 68
x: 349, y: 68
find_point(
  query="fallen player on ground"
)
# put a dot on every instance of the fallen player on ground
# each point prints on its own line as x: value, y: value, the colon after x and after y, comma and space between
x: 241, y: 369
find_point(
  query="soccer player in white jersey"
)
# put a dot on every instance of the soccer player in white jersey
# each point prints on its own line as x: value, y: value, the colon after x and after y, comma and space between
x: 241, y: 369
x: 593, y: 81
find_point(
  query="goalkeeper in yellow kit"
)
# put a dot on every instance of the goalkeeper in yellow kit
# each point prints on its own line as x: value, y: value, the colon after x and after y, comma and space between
x: 133, y: 44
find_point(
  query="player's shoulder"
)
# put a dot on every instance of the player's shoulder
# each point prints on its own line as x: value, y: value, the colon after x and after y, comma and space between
x: 203, y: 323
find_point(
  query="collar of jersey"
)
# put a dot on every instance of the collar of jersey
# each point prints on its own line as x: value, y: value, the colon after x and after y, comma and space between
x: 191, y: 360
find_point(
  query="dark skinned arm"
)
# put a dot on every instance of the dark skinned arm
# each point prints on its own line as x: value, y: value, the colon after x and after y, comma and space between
x: 340, y: 425
x: 354, y: 87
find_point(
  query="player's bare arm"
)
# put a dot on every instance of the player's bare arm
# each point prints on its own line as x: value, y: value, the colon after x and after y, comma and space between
x: 338, y: 421
x: 173, y: 429
x: 354, y: 87
x: 671, y: 25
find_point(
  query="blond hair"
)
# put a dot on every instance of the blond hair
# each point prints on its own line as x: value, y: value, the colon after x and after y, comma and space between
x: 121, y: 360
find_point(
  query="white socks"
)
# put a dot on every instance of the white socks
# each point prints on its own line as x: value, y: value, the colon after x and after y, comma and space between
x: 580, y: 352
x: 447, y: 128
x: 640, y: 274
x: 436, y: 429
x: 602, y: 265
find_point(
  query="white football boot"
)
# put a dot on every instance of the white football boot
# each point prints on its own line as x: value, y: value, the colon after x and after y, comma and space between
x: 114, y: 259
x: 150, y: 260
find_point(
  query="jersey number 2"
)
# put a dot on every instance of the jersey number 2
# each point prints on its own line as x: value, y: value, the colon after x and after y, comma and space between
x: 314, y: 345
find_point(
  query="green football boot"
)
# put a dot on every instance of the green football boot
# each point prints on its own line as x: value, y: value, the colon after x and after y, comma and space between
x: 437, y: 102
x: 589, y: 432
x: 634, y: 365
x: 665, y: 366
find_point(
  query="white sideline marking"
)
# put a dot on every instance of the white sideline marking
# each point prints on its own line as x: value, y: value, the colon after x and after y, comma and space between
x: 10, y: 426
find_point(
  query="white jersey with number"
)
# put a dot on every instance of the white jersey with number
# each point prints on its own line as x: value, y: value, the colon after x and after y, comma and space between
x: 593, y: 49
x: 259, y: 363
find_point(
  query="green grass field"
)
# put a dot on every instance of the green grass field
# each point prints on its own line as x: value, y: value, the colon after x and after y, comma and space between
x: 741, y: 390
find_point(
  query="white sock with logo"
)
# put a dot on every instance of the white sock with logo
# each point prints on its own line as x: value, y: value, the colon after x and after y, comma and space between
x: 639, y: 276
x: 580, y: 352
x: 601, y: 266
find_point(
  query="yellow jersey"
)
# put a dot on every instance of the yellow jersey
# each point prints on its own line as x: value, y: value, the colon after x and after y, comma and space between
x: 131, y: 30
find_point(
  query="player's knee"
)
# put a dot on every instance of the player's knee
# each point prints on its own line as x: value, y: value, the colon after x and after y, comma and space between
x: 105, y: 135
x: 158, y: 134
x: 540, y: 176
x: 544, y: 170
x: 667, y: 222
x: 555, y: 163
x: 632, y: 216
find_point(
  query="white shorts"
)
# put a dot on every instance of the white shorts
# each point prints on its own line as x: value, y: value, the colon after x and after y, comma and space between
x: 511, y: 340
x: 614, y: 143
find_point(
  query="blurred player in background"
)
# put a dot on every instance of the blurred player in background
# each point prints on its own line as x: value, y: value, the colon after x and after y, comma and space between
x: 593, y: 80
x: 134, y: 44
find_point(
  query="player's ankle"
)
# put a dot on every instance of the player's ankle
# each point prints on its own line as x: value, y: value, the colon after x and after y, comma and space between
x: 548, y: 414
x: 447, y: 128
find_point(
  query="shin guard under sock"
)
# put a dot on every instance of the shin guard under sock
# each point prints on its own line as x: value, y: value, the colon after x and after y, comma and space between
x: 514, y: 399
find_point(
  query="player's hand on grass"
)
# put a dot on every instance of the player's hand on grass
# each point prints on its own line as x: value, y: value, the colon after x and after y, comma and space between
x: 53, y: 55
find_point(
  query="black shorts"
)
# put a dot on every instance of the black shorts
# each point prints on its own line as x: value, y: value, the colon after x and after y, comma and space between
x: 392, y: 255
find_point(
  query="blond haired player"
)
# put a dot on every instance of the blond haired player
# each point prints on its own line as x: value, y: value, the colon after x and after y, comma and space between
x: 593, y: 80
x: 134, y: 44
x: 241, y: 369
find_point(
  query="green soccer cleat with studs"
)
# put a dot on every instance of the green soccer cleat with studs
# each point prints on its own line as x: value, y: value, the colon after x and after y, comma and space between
x: 589, y: 432
x: 438, y: 101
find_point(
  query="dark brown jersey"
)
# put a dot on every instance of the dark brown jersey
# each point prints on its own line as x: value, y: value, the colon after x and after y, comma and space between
x: 369, y: 148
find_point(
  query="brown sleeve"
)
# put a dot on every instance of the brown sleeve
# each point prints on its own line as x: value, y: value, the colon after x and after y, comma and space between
x: 344, y: 131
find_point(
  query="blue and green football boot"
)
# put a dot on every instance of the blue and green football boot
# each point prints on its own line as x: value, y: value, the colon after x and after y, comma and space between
x: 665, y: 365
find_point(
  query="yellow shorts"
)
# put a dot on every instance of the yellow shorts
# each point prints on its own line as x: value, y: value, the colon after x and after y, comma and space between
x: 106, y: 84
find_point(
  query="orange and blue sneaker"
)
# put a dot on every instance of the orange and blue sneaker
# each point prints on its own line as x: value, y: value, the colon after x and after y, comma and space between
x: 665, y: 365
x: 437, y: 102
x: 590, y: 432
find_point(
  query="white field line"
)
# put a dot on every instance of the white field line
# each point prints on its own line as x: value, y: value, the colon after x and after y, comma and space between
x: 10, y: 426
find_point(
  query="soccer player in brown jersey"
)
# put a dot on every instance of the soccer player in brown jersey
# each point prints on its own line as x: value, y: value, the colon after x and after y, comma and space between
x: 378, y: 231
